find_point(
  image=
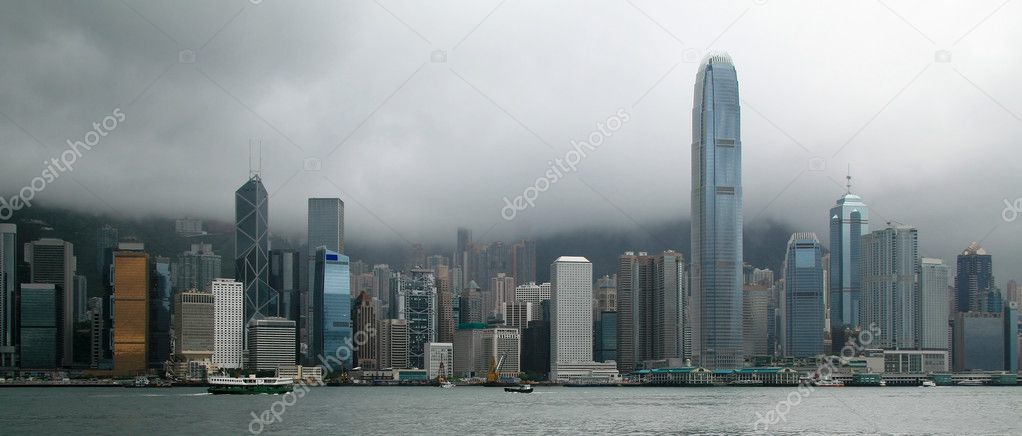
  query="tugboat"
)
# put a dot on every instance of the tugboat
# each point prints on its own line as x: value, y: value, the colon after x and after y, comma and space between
x: 249, y: 385
x: 522, y: 389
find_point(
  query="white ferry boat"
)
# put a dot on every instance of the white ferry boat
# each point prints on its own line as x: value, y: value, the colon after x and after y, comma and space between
x: 249, y: 385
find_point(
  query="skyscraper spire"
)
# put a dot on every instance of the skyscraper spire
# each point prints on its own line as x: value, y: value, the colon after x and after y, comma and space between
x: 848, y: 180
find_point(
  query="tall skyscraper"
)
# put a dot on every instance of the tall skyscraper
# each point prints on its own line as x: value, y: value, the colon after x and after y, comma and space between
x: 194, y: 326
x: 39, y: 309
x: 229, y: 323
x: 131, y: 309
x: 252, y: 247
x: 1011, y: 293
x: 502, y: 290
x: 417, y: 304
x: 106, y: 240
x: 285, y: 276
x: 571, y: 326
x: 326, y: 224
x: 471, y: 305
x: 331, y: 307
x: 802, y: 310
x: 462, y: 251
x: 393, y: 343
x: 523, y: 261
x: 159, y: 313
x: 8, y: 291
x: 932, y: 320
x: 444, y: 306
x: 650, y: 306
x: 366, y: 329
x: 717, y: 215
x: 196, y: 268
x: 974, y: 279
x: 270, y: 343
x: 53, y: 261
x: 890, y: 258
x: 849, y: 221
x: 756, y: 317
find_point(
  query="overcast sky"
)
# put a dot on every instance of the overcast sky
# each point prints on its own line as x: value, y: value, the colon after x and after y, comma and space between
x: 348, y: 99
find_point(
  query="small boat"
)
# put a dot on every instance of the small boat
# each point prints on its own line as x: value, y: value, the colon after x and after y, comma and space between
x: 883, y: 384
x: 970, y: 382
x: 140, y: 382
x: 522, y: 389
x: 447, y: 385
x: 928, y: 384
x: 828, y: 383
x: 249, y: 385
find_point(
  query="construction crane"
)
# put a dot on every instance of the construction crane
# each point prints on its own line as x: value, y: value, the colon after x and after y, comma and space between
x: 494, y: 372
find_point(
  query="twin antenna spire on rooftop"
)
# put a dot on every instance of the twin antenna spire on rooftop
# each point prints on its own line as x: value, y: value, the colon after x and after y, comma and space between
x: 257, y: 172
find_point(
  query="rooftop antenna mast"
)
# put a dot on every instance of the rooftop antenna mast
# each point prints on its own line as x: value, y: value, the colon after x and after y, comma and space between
x: 848, y: 180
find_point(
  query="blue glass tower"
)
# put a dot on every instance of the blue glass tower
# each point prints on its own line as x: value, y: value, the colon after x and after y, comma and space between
x: 332, y: 309
x: 849, y: 221
x: 251, y: 249
x: 802, y: 303
x: 717, y: 215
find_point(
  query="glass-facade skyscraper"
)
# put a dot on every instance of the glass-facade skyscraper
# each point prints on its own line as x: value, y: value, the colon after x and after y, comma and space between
x: 8, y: 289
x: 717, y: 215
x: 849, y: 221
x: 974, y: 280
x: 251, y: 248
x: 802, y: 308
x: 331, y: 308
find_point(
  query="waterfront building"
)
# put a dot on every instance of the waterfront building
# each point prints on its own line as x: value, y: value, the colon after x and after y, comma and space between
x: 890, y: 262
x: 934, y: 282
x: 194, y: 326
x: 716, y: 216
x: 331, y: 307
x: 849, y: 222
x: 131, y: 308
x: 915, y: 361
x: 271, y: 343
x: 802, y: 309
x: 441, y: 359
x: 159, y: 313
x: 39, y: 309
x: 756, y: 318
x: 196, y: 268
x: 53, y: 261
x: 285, y: 277
x: 651, y: 293
x: 571, y: 323
x: 366, y: 329
x: 229, y: 323
x: 252, y: 247
x: 393, y: 344
x: 974, y: 280
x: 605, y: 336
x: 417, y: 304
x: 8, y: 293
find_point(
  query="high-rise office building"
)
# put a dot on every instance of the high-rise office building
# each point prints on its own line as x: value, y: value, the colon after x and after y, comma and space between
x: 440, y: 359
x: 533, y: 293
x: 39, y: 309
x: 756, y: 319
x: 932, y: 312
x: 96, y: 329
x: 650, y: 308
x: 502, y: 290
x: 571, y: 324
x: 381, y: 285
x: 285, y: 277
x: 194, y: 326
x: 606, y: 294
x: 229, y: 323
x: 331, y: 307
x: 462, y: 251
x: 717, y: 216
x: 271, y: 343
x: 849, y: 221
x: 393, y: 343
x: 196, y: 268
x: 802, y: 310
x: 523, y: 261
x: 366, y: 329
x: 605, y: 336
x: 326, y: 224
x: 251, y: 248
x: 417, y: 300
x: 53, y: 261
x: 503, y: 346
x: 986, y: 341
x: 974, y: 280
x: 890, y: 262
x: 518, y: 314
x: 159, y: 313
x: 471, y: 305
x: 81, y: 297
x: 8, y: 291
x: 106, y: 241
x: 131, y: 309
x: 444, y: 306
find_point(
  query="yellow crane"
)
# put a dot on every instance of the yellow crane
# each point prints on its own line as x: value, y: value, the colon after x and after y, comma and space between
x: 494, y: 372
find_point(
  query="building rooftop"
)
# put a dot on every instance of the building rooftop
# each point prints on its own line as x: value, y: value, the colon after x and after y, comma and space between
x: 577, y: 259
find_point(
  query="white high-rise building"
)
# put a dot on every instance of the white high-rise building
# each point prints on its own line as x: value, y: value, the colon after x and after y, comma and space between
x: 934, y: 298
x: 229, y: 323
x: 533, y: 293
x: 571, y: 324
x: 440, y: 357
x: 890, y: 258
